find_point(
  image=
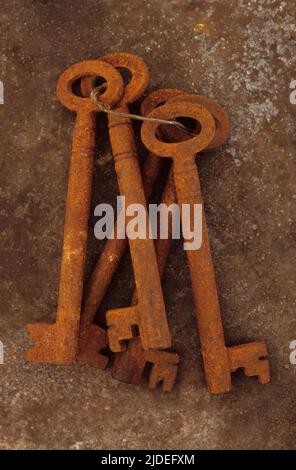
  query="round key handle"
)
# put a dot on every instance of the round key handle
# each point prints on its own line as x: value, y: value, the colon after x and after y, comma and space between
x: 98, y: 68
x: 175, y: 134
x: 139, y: 75
x: 180, y: 150
x: 221, y: 117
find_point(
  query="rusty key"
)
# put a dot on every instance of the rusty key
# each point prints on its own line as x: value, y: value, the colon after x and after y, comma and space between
x: 57, y: 343
x: 129, y: 365
x: 251, y: 357
x: 149, y: 314
x: 216, y: 357
x: 92, y: 337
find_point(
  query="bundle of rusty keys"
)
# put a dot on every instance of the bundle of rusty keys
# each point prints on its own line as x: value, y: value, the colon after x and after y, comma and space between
x: 75, y: 336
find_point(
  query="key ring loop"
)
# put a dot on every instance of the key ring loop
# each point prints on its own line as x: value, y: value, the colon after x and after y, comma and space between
x: 112, y: 95
x: 186, y: 148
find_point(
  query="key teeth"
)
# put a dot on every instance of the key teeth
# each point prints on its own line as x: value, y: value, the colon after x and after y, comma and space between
x: 129, y: 366
x: 51, y: 346
x: 116, y: 343
x: 164, y: 374
x: 264, y: 377
x: 120, y: 324
x: 263, y: 374
x: 251, y: 357
x: 164, y: 369
x: 91, y: 343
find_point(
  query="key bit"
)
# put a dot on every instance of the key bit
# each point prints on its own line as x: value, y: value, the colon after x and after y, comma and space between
x: 164, y: 369
x: 252, y: 358
x: 130, y: 365
x: 121, y: 326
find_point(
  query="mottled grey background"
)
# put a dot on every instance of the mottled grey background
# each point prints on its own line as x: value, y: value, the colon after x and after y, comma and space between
x: 244, y: 57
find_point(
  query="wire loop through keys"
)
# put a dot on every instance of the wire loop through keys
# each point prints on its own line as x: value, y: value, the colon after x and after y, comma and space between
x: 104, y: 107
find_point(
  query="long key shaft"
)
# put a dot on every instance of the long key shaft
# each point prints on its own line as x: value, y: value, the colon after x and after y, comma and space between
x: 149, y: 314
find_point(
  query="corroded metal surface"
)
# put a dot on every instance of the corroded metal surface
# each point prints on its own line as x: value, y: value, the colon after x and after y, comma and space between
x: 219, y: 361
x: 149, y: 314
x: 57, y: 343
x: 114, y: 249
x: 135, y: 65
x: 129, y: 365
x: 222, y: 121
x: 159, y: 97
x: 252, y: 358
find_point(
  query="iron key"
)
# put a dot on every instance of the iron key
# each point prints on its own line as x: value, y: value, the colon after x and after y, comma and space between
x: 57, y: 343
